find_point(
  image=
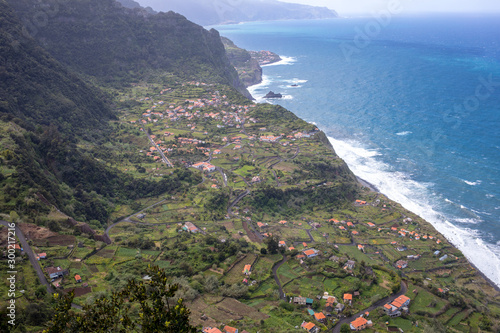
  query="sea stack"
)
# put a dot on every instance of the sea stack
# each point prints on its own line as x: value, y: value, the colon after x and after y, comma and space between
x: 271, y: 94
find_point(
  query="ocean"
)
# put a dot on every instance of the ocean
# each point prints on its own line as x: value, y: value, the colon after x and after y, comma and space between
x: 411, y: 103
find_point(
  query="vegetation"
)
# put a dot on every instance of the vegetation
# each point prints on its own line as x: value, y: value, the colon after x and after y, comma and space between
x: 272, y: 214
x: 155, y: 303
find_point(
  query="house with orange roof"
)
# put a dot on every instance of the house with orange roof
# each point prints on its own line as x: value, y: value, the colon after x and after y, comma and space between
x: 300, y: 256
x: 42, y: 255
x: 354, y: 232
x: 247, y: 269
x: 371, y: 225
x: 282, y: 222
x: 78, y: 278
x: 395, y: 308
x: 359, y: 324
x: 348, y: 298
x: 229, y: 329
x: 211, y: 330
x: 361, y: 247
x: 282, y: 244
x: 261, y: 225
x: 291, y: 248
x: 341, y: 227
x: 320, y: 316
x: 311, y: 253
x: 350, y: 224
x: 309, y: 327
x: 304, y: 244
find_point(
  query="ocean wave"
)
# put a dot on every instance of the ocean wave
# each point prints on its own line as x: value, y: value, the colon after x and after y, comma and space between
x: 490, y: 195
x: 418, y: 198
x: 404, y: 133
x: 477, y: 182
x: 468, y: 220
x: 284, y: 61
x: 295, y: 81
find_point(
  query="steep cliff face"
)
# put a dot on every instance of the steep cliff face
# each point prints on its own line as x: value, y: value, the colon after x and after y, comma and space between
x: 35, y: 88
x: 248, y: 68
x: 103, y: 39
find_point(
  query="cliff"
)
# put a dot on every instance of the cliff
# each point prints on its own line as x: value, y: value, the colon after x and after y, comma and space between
x: 216, y: 12
x: 117, y: 45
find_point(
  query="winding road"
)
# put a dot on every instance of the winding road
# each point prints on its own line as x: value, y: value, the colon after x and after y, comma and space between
x: 276, y: 278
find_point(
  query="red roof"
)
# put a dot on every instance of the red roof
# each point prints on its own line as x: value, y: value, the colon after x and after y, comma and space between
x: 229, y: 329
x: 309, y: 252
x: 358, y: 322
x: 308, y: 326
x: 347, y: 296
x: 77, y: 277
x: 319, y: 316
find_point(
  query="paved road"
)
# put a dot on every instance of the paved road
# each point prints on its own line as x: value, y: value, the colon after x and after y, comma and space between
x: 224, y: 177
x: 128, y: 218
x: 241, y: 196
x: 31, y: 255
x: 275, y: 274
x: 165, y: 159
x: 404, y: 289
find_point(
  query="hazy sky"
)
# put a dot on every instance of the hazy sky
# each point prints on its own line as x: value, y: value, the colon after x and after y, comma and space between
x: 346, y: 7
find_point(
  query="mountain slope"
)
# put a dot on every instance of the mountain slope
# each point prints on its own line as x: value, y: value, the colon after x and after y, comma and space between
x: 103, y: 39
x: 219, y: 12
x: 51, y: 125
x: 35, y: 87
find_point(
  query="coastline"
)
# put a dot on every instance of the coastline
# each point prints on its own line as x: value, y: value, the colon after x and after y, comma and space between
x: 365, y: 183
x: 450, y: 240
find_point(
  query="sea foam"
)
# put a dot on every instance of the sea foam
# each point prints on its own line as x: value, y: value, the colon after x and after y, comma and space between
x: 418, y: 198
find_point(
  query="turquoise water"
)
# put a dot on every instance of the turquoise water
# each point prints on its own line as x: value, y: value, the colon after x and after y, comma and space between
x: 413, y: 108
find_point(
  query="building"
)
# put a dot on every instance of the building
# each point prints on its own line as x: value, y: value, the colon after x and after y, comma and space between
x: 360, y: 324
x: 348, y: 298
x: 247, y: 269
x: 309, y: 327
x: 188, y: 226
x: 320, y: 317
x: 350, y: 264
x: 211, y: 330
x: 339, y: 307
x: 205, y: 166
x: 78, y: 278
x: 303, y: 300
x: 42, y: 256
x: 395, y: 308
x: 229, y: 329
x: 310, y: 253
x: 56, y: 272
x: 401, y: 264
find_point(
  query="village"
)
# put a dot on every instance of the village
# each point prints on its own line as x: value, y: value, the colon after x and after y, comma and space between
x: 369, y: 265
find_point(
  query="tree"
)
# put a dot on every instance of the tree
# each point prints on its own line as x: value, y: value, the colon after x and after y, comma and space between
x: 272, y: 244
x: 345, y: 328
x: 158, y: 310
